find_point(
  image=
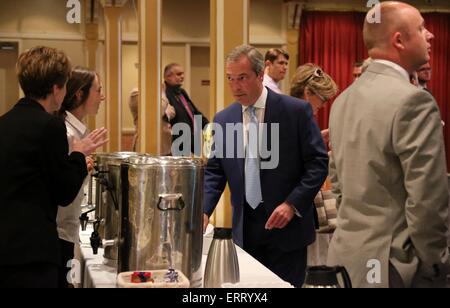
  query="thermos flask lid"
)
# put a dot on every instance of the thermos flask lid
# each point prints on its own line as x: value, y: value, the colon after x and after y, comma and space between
x: 322, y: 276
x: 223, y: 233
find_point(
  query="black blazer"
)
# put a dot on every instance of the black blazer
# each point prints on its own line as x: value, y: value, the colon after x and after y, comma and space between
x: 182, y: 116
x: 36, y: 175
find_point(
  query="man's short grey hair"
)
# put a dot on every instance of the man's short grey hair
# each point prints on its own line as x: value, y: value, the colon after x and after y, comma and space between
x: 168, y: 69
x: 255, y: 57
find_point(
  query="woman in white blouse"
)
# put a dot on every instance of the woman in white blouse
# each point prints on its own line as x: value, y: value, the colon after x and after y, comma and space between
x: 83, y: 98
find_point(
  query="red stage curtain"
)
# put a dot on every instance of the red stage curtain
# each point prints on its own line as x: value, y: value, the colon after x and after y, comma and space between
x: 439, y: 25
x: 334, y: 41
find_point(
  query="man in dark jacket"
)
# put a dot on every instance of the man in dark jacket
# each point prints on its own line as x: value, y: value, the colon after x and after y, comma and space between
x: 37, y: 174
x: 181, y: 109
x: 271, y: 195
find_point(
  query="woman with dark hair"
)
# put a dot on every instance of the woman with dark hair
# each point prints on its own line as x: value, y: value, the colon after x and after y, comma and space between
x: 83, y: 98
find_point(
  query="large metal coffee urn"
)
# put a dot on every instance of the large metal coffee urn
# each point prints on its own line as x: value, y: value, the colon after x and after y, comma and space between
x: 161, y: 221
x: 90, y: 206
x: 108, y: 197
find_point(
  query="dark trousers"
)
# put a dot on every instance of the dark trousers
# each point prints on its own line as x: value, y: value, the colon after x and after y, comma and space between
x: 262, y: 245
x: 33, y: 276
x: 395, y: 280
x: 67, y: 254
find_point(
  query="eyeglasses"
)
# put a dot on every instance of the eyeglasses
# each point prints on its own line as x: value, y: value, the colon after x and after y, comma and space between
x: 322, y: 98
x: 317, y: 73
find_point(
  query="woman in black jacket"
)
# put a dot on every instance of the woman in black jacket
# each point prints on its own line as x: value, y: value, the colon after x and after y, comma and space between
x: 37, y: 174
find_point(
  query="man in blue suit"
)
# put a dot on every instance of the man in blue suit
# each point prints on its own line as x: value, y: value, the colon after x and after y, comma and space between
x: 273, y: 211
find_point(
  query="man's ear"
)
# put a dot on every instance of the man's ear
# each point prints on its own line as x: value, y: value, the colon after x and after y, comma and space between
x: 79, y: 94
x: 398, y: 40
x: 55, y: 89
x: 261, y: 76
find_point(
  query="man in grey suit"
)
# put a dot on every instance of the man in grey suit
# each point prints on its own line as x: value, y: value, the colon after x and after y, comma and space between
x: 388, y: 165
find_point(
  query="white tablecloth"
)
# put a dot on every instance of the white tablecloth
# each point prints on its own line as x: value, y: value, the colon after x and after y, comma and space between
x: 95, y: 274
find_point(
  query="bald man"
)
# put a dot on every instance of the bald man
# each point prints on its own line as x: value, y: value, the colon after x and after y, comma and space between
x: 388, y: 165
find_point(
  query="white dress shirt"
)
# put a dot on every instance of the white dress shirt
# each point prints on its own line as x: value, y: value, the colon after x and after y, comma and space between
x: 260, y: 109
x: 404, y: 73
x: 395, y: 66
x: 68, y: 217
x: 271, y: 84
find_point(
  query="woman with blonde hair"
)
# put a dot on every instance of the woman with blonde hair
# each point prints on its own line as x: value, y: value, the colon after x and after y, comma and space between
x: 312, y: 84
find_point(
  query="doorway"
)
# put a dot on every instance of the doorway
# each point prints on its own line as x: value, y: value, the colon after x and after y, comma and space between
x: 9, y: 86
x: 200, y: 79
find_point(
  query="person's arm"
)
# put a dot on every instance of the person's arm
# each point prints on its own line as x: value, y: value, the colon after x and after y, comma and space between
x: 418, y: 142
x: 335, y: 186
x: 64, y: 172
x: 168, y: 109
x: 215, y: 182
x: 315, y: 162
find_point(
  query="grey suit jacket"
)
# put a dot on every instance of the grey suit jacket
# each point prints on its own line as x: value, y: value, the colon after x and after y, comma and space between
x: 388, y: 169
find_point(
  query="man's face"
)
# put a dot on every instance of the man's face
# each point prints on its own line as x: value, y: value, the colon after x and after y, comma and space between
x: 278, y: 69
x: 424, y: 73
x: 418, y: 44
x: 245, y: 85
x: 357, y: 71
x: 176, y: 77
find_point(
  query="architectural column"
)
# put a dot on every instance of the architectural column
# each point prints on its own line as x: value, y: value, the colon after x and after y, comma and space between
x: 229, y: 28
x: 295, y: 10
x: 91, y: 45
x: 150, y: 33
x: 113, y: 76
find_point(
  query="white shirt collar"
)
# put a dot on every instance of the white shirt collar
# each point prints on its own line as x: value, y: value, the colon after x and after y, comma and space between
x: 75, y: 123
x: 395, y: 66
x: 271, y: 84
x: 423, y: 86
x: 261, y: 102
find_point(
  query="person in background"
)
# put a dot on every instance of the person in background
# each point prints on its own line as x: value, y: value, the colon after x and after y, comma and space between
x: 184, y: 110
x: 315, y: 86
x: 133, y: 102
x: 357, y: 70
x: 387, y: 165
x: 38, y: 174
x: 83, y: 98
x: 414, y: 79
x: 276, y: 61
x: 424, y: 76
x: 166, y: 128
x: 168, y: 113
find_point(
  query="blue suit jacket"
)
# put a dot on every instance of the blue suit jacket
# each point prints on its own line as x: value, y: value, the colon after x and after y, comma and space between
x: 302, y: 169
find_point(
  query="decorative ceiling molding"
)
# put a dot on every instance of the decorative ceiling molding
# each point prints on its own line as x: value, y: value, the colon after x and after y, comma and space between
x: 113, y: 3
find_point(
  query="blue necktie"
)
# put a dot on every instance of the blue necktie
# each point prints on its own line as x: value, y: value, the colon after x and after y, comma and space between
x: 252, y: 179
